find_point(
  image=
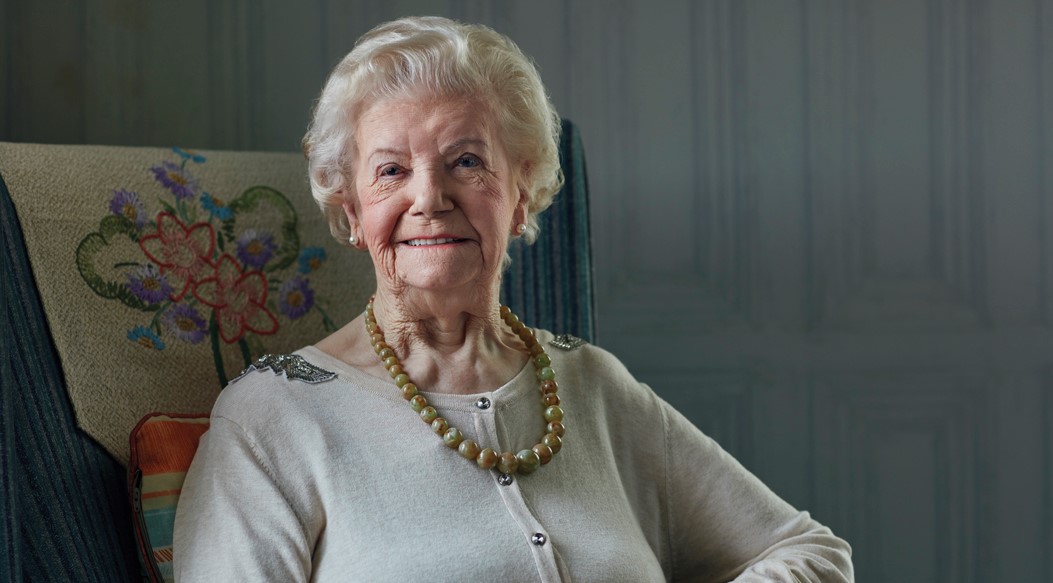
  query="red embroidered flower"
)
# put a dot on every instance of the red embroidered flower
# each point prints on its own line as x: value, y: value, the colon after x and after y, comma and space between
x: 183, y: 253
x: 239, y: 300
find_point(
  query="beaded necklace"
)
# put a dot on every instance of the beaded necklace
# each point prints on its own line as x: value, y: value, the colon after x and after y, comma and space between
x: 526, y: 461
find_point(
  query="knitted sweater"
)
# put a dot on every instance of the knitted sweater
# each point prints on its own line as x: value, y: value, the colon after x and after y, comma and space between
x: 341, y: 481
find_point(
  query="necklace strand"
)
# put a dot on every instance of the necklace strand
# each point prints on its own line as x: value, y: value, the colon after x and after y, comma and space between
x: 525, y: 461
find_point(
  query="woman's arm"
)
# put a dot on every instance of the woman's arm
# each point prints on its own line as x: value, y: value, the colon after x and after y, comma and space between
x: 234, y: 522
x: 725, y: 524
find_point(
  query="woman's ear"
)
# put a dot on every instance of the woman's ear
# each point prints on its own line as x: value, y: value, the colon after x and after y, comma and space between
x: 351, y: 212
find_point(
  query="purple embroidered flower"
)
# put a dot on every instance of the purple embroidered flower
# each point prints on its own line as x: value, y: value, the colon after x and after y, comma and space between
x: 127, y: 204
x: 255, y: 248
x: 216, y: 207
x: 189, y: 155
x: 311, y: 259
x: 295, y: 298
x: 186, y: 323
x: 176, y: 179
x: 144, y: 336
x: 148, y: 284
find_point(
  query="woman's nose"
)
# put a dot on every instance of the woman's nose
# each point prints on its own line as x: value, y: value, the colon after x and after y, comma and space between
x: 431, y: 196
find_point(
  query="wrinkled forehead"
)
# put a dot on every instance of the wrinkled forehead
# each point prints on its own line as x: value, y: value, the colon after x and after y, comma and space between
x: 407, y: 122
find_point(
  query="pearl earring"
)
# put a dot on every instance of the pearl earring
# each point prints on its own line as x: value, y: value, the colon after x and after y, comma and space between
x: 521, y: 228
x: 353, y: 240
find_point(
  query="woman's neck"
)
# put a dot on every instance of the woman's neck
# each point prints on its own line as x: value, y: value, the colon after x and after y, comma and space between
x: 446, y: 343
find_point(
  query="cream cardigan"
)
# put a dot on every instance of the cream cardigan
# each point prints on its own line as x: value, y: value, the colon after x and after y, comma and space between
x: 341, y: 481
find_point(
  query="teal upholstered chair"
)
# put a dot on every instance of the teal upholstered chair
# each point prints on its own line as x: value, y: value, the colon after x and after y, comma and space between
x: 64, y: 503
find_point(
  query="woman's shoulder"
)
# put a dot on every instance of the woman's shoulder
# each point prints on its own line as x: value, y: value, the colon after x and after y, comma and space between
x: 587, y: 364
x: 272, y: 384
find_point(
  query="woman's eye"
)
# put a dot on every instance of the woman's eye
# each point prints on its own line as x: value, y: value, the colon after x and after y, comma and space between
x: 468, y: 161
x: 390, y: 170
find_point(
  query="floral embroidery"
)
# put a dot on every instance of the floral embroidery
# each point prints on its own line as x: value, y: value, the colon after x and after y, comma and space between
x: 211, y: 267
x: 176, y: 179
x: 128, y: 205
x: 146, y: 337
x: 295, y: 298
x: 255, y: 249
x: 311, y: 259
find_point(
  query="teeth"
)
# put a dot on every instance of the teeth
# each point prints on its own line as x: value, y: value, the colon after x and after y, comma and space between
x: 426, y: 242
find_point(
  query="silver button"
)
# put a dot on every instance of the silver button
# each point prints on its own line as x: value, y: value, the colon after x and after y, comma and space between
x: 504, y: 480
x: 538, y: 539
x: 483, y: 403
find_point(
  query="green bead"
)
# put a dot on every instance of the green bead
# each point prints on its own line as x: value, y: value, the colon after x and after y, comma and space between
x: 468, y: 449
x: 409, y: 390
x: 401, y: 379
x: 386, y: 353
x: 554, y: 413
x: 546, y: 374
x: 487, y: 458
x: 428, y: 414
x: 390, y: 362
x: 528, y: 461
x: 418, y: 403
x: 553, y: 441
x: 542, y: 360
x: 452, y: 438
x: 508, y: 463
x: 439, y: 425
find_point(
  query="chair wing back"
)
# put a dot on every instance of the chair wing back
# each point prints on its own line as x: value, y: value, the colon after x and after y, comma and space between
x: 549, y: 284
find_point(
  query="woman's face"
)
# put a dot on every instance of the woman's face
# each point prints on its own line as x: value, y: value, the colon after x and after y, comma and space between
x: 436, y: 194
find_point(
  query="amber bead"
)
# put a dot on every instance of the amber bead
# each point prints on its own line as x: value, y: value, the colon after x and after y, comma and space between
x: 542, y: 360
x: 418, y: 402
x: 550, y: 399
x: 504, y: 310
x: 555, y: 427
x: 468, y: 449
x: 516, y: 326
x: 395, y: 370
x: 537, y: 349
x: 452, y: 438
x: 428, y: 414
x: 371, y: 326
x: 439, y: 425
x: 375, y: 338
x: 544, y: 453
x: 549, y: 386
x: 409, y: 390
x: 554, y: 413
x: 401, y: 380
x: 553, y: 441
x: 529, y: 461
x: 508, y: 463
x: 386, y: 353
x: 487, y: 458
x: 379, y: 346
x: 390, y: 361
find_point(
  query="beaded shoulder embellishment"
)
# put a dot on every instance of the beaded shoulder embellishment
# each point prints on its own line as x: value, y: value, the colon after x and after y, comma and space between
x: 567, y: 341
x: 294, y: 367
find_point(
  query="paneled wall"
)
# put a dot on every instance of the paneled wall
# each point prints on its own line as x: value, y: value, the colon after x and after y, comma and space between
x: 823, y: 228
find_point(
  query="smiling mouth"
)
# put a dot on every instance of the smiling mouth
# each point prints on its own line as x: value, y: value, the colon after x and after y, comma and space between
x: 432, y: 242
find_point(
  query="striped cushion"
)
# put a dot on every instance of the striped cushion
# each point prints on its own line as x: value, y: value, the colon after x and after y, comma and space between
x: 162, y: 447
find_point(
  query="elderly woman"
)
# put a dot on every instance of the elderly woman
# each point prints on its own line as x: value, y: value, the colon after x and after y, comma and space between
x: 432, y: 146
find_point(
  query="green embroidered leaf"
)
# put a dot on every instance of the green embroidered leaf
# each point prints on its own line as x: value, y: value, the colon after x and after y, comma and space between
x: 261, y: 203
x: 88, y: 251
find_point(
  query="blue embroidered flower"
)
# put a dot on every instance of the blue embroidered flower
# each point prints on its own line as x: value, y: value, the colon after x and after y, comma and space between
x: 186, y: 323
x: 127, y: 204
x: 255, y: 248
x: 145, y: 337
x: 216, y: 207
x: 295, y: 298
x: 311, y: 258
x: 148, y: 284
x: 189, y: 155
x: 176, y: 179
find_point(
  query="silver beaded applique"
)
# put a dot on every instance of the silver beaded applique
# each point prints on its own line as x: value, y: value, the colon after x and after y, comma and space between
x: 567, y: 341
x: 294, y: 367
